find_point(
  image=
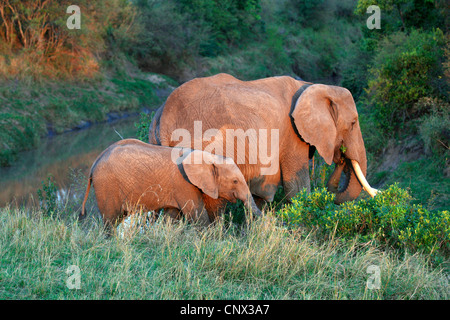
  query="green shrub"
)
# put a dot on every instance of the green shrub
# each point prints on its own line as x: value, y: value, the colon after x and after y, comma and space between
x: 228, y: 22
x: 265, y: 59
x: 434, y: 128
x: 405, y: 69
x: 48, y: 197
x: 169, y: 41
x: 143, y: 125
x: 305, y: 50
x: 389, y: 218
x: 176, y: 35
x: 406, y: 14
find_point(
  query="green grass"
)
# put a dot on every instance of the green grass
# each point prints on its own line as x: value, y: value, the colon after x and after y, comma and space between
x: 260, y: 260
x: 424, y: 178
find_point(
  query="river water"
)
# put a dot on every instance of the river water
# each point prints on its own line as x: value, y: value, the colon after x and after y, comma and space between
x: 60, y: 156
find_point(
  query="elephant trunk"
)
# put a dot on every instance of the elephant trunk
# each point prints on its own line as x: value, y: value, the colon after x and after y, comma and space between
x: 250, y: 204
x: 354, y: 180
x: 335, y: 178
x: 351, y: 188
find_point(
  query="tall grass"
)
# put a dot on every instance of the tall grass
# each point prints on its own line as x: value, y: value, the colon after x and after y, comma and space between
x: 257, y: 260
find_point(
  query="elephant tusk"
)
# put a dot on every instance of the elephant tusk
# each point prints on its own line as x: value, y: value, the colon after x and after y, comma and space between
x: 363, y: 180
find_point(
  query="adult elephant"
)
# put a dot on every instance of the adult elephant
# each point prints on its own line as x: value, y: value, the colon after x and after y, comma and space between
x: 304, y: 116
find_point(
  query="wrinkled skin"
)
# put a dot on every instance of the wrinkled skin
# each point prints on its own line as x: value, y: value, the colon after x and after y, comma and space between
x: 323, y: 117
x: 130, y: 175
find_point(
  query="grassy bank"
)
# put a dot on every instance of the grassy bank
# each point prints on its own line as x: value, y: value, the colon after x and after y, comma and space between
x: 33, y: 109
x: 261, y: 260
x: 425, y: 178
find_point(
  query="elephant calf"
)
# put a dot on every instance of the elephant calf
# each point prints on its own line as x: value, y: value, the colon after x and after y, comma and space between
x: 131, y: 174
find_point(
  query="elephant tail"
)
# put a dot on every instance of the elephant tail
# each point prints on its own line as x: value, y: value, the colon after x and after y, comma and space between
x: 83, y: 207
x: 154, y: 128
x: 88, y: 188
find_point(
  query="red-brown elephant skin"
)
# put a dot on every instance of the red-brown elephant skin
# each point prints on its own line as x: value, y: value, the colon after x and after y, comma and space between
x: 307, y: 117
x: 131, y: 175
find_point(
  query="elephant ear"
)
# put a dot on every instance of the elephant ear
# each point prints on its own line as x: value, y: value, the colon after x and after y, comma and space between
x: 315, y: 117
x: 201, y: 172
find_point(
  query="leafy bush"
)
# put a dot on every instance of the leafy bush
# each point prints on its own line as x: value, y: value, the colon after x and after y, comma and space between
x: 228, y: 21
x: 143, y: 125
x: 434, y: 128
x: 388, y: 218
x: 406, y: 68
x: 169, y: 41
x: 266, y: 59
x: 406, y: 14
x: 48, y: 197
x: 175, y: 36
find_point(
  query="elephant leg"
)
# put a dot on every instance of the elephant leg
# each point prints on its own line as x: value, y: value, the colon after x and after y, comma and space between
x: 214, y: 207
x: 296, y: 183
x: 172, y: 213
x: 264, y: 189
x: 110, y: 215
x: 110, y: 223
x: 203, y: 218
x: 260, y: 202
x: 196, y: 211
x: 294, y: 166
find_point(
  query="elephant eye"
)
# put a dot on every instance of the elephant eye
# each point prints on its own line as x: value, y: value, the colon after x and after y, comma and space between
x: 235, y: 181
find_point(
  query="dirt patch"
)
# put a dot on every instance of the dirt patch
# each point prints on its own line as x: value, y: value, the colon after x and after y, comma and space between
x: 394, y: 154
x: 397, y: 152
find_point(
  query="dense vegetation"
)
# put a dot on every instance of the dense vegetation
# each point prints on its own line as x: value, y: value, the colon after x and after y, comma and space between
x: 389, y: 219
x: 124, y: 57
